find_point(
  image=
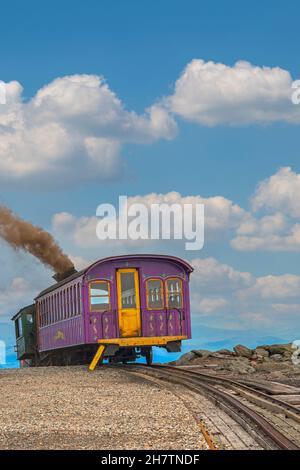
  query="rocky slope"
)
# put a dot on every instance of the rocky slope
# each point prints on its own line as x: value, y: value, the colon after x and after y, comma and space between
x: 276, y: 362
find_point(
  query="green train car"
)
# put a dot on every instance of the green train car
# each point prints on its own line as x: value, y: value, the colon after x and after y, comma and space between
x: 25, y: 327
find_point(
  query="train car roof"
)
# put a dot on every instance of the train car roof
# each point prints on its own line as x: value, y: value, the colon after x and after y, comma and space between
x: 173, y: 259
x: 23, y: 309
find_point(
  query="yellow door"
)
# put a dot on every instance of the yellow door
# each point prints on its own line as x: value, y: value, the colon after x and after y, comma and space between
x: 129, y: 303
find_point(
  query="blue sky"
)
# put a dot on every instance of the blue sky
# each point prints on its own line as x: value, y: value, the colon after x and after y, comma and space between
x: 142, y: 49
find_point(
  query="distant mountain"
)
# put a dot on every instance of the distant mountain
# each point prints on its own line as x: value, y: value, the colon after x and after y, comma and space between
x: 211, y: 338
x: 250, y: 343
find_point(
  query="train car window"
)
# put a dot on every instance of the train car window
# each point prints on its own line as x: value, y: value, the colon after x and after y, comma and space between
x: 60, y: 306
x: 64, y: 304
x: 99, y: 296
x: 155, y: 296
x: 70, y: 302
x: 75, y: 300
x: 174, y: 293
x: 128, y: 291
x: 51, y: 310
x: 47, y: 312
x: 29, y: 318
x: 67, y: 302
x: 57, y: 306
x: 74, y: 303
x: 19, y: 328
x: 78, y: 299
x: 42, y: 312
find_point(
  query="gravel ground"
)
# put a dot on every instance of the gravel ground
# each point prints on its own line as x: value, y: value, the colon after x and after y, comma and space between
x: 70, y: 408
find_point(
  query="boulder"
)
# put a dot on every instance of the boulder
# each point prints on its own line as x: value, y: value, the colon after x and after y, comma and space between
x: 225, y: 352
x: 287, y: 356
x: 243, y: 351
x: 185, y: 358
x: 276, y: 357
x: 261, y: 352
x: 278, y: 348
x: 202, y: 352
x: 240, y: 365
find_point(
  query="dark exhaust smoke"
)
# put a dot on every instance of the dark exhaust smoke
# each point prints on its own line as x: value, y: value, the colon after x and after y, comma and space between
x: 41, y: 244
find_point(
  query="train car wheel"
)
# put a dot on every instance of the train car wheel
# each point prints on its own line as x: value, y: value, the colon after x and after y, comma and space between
x: 149, y: 356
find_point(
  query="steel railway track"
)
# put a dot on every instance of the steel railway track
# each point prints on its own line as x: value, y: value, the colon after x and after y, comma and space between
x: 248, y: 410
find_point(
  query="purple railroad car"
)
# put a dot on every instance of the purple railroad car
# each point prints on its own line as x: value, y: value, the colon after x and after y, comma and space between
x: 119, y: 307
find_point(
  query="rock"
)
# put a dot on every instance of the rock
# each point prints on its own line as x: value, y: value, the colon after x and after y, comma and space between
x: 185, y: 358
x: 216, y: 355
x: 243, y: 351
x: 225, y: 352
x: 277, y: 357
x: 260, y: 352
x: 287, y: 356
x: 212, y: 366
x: 202, y: 352
x: 278, y: 348
x: 249, y: 370
x: 240, y: 365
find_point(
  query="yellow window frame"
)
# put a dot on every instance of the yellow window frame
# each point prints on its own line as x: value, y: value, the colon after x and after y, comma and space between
x: 162, y: 292
x: 167, y: 290
x: 99, y: 281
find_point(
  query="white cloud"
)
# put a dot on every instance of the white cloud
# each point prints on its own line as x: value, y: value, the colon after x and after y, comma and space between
x: 269, y: 224
x: 210, y: 305
x: 221, y: 215
x: 71, y: 131
x: 210, y: 273
x: 269, y: 242
x: 286, y: 308
x: 74, y: 128
x: 229, y: 298
x: 212, y: 93
x: 279, y: 192
x: 80, y: 262
x: 15, y: 295
x: 278, y: 196
x: 274, y: 287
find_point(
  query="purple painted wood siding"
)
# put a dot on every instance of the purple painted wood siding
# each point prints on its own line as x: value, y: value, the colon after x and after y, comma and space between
x: 62, y: 334
x: 63, y: 307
